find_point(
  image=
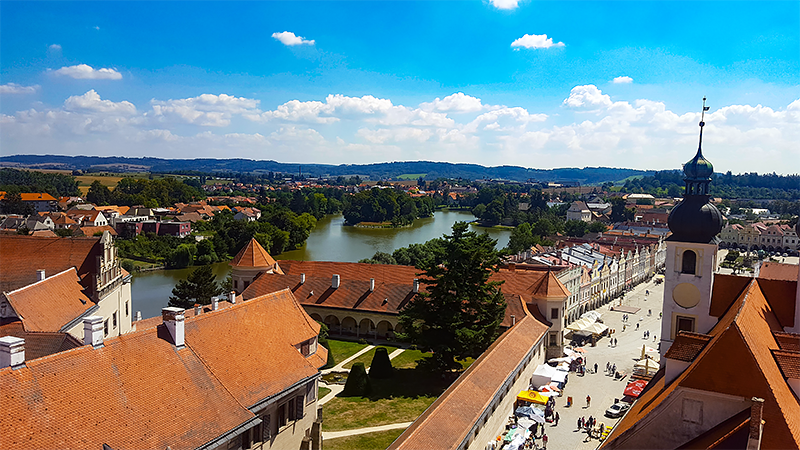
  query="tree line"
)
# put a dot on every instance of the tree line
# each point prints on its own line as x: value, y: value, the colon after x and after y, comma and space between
x: 386, y: 205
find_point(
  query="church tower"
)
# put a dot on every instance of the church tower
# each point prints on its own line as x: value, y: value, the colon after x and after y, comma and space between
x: 691, y: 253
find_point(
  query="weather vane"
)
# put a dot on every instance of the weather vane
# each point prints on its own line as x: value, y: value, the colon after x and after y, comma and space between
x: 702, y: 124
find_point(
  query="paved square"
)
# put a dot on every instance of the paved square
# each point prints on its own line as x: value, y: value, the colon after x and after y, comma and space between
x: 604, y: 389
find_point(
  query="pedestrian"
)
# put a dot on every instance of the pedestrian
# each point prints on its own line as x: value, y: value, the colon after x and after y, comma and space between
x: 608, y: 366
x: 580, y: 422
x: 637, y: 327
x: 557, y: 418
x: 544, y: 442
x: 595, y: 367
x: 654, y: 338
x: 588, y: 401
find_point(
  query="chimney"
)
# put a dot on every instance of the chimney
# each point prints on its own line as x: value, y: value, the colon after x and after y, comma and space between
x: 232, y: 297
x: 756, y: 424
x: 513, y: 320
x: 40, y: 275
x: 512, y: 267
x: 372, y: 284
x: 335, y: 282
x: 302, y: 278
x: 214, y: 303
x: 197, y: 309
x: 93, y: 331
x: 173, y: 319
x: 12, y: 352
x: 138, y: 316
x: 416, y: 284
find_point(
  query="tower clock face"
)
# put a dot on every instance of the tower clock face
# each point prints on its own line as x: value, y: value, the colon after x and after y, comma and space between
x: 686, y: 295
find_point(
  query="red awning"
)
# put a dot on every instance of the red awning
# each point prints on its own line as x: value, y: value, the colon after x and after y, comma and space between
x: 635, y: 388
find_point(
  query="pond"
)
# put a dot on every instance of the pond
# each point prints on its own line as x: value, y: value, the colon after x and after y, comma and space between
x: 329, y: 241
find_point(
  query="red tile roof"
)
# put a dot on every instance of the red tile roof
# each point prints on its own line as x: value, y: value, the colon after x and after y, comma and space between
x: 39, y: 344
x: 52, y: 303
x: 789, y: 363
x: 253, y: 255
x: 777, y: 271
x: 446, y: 423
x: 21, y: 256
x: 139, y: 391
x: 687, y: 346
x: 787, y: 341
x: 96, y: 231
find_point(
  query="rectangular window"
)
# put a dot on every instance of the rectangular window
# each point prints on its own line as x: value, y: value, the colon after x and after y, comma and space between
x: 554, y: 339
x: 311, y: 391
x: 683, y: 323
x: 236, y: 284
x: 305, y: 348
x: 281, y: 416
x: 554, y: 313
x: 290, y: 410
x: 105, y: 328
x: 266, y: 428
x: 299, y: 408
x: 126, y: 309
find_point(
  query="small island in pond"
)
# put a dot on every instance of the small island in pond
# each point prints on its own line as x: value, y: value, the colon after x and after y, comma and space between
x: 386, y: 207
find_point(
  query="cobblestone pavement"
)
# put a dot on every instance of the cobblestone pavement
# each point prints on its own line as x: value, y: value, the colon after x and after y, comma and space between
x: 604, y: 389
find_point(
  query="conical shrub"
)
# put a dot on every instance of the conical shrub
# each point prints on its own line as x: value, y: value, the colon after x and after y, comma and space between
x: 358, y: 384
x: 381, y: 366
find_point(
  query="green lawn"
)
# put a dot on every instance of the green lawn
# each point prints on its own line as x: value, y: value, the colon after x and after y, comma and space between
x: 366, y: 358
x: 370, y: 441
x: 410, y: 176
x: 408, y: 359
x: 401, y: 398
x: 344, y: 349
x: 322, y: 392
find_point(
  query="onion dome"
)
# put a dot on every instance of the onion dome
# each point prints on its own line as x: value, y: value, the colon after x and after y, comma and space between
x: 698, y: 167
x: 694, y: 220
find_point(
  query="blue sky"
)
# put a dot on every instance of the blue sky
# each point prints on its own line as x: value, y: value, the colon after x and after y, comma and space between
x: 536, y: 84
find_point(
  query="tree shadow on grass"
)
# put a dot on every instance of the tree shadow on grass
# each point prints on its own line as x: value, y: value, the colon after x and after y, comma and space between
x: 420, y: 381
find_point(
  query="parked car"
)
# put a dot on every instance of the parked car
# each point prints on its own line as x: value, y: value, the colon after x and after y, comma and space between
x: 617, y: 409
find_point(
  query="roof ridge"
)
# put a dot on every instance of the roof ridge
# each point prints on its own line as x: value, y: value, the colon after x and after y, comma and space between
x: 15, y: 291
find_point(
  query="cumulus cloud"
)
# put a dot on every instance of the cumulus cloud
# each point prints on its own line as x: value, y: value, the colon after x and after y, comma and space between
x: 14, y: 88
x: 622, y: 80
x: 588, y: 96
x: 290, y: 39
x: 458, y: 102
x: 205, y: 110
x: 505, y: 4
x: 91, y: 101
x: 535, y: 41
x: 86, y: 72
x: 54, y: 48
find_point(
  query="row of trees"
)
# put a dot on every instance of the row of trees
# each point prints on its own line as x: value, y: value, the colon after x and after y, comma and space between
x: 386, y: 205
x: 55, y: 184
x: 669, y: 183
x: 155, y: 193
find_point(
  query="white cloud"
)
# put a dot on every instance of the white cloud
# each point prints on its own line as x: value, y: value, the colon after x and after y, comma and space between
x: 205, y: 110
x: 14, y: 88
x: 290, y: 39
x: 91, y: 101
x: 536, y: 41
x: 622, y: 80
x: 86, y: 72
x: 458, y: 102
x: 588, y: 96
x: 54, y: 48
x: 96, y: 28
x: 505, y: 4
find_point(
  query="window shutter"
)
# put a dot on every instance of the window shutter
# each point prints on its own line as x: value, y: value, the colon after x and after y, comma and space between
x: 266, y: 428
x: 299, y: 405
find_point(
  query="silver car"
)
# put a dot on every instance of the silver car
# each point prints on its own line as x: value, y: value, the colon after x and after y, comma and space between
x: 617, y: 409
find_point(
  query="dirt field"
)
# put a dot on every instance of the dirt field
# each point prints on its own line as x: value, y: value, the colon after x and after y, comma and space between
x: 87, y: 180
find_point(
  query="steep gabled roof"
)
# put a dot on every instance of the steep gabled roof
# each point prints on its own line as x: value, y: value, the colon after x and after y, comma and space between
x: 253, y: 255
x: 549, y: 288
x: 21, y: 256
x: 39, y: 344
x: 52, y: 303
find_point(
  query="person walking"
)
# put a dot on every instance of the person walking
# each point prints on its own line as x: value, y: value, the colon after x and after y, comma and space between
x: 580, y: 422
x: 595, y: 367
x: 557, y: 418
x: 544, y: 442
x: 588, y: 401
x: 637, y: 326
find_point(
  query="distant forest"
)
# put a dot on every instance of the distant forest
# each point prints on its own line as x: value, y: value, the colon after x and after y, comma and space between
x: 669, y: 183
x: 428, y: 170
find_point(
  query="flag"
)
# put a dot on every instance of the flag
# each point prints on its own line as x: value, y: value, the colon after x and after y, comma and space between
x: 706, y: 108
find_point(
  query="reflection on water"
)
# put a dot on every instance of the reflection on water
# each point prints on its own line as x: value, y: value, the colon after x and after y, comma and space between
x: 330, y: 241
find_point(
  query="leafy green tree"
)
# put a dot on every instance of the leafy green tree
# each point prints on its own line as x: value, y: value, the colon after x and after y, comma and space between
x: 576, y: 228
x: 98, y: 194
x: 12, y: 204
x: 522, y: 238
x: 596, y: 227
x: 182, y: 256
x: 459, y: 314
x: 380, y: 258
x: 358, y: 384
x: 619, y: 213
x: 199, y: 287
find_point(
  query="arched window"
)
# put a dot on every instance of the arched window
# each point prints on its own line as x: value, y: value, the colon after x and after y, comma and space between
x: 689, y: 262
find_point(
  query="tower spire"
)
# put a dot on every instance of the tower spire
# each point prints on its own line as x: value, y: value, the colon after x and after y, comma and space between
x: 702, y: 124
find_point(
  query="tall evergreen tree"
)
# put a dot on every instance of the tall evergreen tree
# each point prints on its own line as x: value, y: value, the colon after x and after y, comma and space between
x: 199, y: 287
x: 460, y: 314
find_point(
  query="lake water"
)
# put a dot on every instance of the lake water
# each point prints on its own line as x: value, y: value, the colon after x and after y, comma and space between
x: 329, y: 241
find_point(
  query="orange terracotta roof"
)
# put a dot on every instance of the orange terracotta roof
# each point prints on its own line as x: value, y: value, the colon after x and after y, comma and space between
x: 253, y: 255
x: 789, y: 363
x: 39, y: 344
x: 731, y: 433
x: 549, y: 288
x: 52, y: 303
x: 91, y: 231
x: 23, y: 255
x: 777, y: 271
x: 137, y: 391
x: 44, y: 233
x: 726, y: 290
x: 787, y: 341
x: 687, y: 346
x: 256, y: 337
x: 780, y: 295
x: 32, y: 196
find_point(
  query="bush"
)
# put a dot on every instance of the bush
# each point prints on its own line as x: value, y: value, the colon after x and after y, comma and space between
x: 358, y: 384
x: 363, y: 341
x: 381, y: 366
x: 128, y: 265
